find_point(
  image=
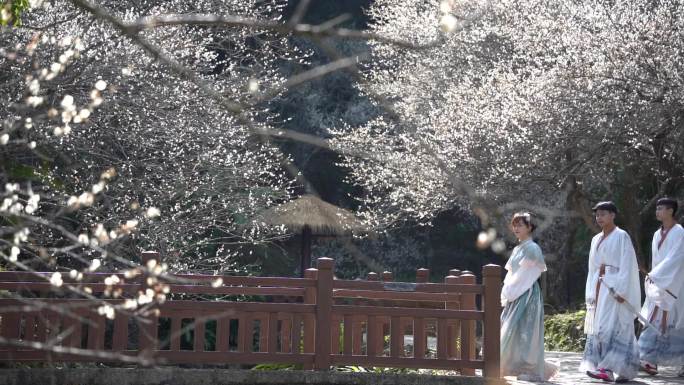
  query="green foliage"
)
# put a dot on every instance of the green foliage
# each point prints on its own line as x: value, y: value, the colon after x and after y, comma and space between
x: 20, y: 171
x: 278, y: 367
x: 373, y: 369
x: 40, y: 173
x: 10, y: 12
x: 564, y: 331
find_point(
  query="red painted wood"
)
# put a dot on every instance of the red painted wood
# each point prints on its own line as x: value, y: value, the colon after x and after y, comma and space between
x: 491, y: 275
x: 348, y: 329
x: 223, y: 334
x: 176, y: 323
x: 120, y: 332
x: 306, y: 333
x: 297, y: 333
x: 419, y: 339
x: 199, y: 334
x: 396, y: 337
x: 272, y: 339
x: 467, y: 326
x: 286, y: 334
x: 323, y: 313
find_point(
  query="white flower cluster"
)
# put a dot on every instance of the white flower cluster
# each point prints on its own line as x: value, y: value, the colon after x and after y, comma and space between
x: 448, y: 21
x: 13, y: 204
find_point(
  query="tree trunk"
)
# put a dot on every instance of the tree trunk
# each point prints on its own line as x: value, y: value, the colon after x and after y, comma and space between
x: 631, y: 216
x: 565, y: 268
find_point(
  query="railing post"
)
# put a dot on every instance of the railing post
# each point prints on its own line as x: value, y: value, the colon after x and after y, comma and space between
x: 148, y: 331
x: 419, y: 335
x: 384, y: 323
x: 452, y: 333
x: 467, y: 326
x: 371, y: 322
x: 309, y: 319
x: 422, y: 275
x: 10, y: 326
x: 324, y: 288
x: 491, y: 279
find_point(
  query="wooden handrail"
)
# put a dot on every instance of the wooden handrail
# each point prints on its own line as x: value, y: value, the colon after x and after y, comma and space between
x: 395, y: 295
x: 331, y: 322
x: 9, y: 277
x: 380, y: 311
x: 418, y: 287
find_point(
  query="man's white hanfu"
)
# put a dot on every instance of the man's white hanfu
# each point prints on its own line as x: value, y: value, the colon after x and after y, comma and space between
x: 609, y: 325
x: 663, y: 284
x: 522, y: 319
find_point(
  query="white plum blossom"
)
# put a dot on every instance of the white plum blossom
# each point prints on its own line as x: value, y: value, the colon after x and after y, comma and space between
x: 152, y: 212
x: 101, y: 85
x: 56, y: 279
x: 448, y: 23
x: 32, y: 204
x: 107, y: 311
x: 14, y: 254
x: 111, y: 280
x: 94, y: 264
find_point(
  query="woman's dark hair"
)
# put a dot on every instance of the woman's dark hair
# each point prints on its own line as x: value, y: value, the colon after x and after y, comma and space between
x: 524, y: 218
x: 669, y: 203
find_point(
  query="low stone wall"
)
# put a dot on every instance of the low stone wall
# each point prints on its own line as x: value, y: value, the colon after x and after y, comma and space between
x: 180, y: 376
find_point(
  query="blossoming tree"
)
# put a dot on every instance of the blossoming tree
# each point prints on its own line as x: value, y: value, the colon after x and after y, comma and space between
x: 170, y: 148
x: 546, y: 106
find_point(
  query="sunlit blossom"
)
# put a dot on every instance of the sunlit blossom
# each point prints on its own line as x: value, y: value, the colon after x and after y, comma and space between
x: 14, y: 254
x: 56, y: 279
x: 94, y: 264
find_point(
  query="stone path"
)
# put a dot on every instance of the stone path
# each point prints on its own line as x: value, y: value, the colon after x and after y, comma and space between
x: 569, y: 374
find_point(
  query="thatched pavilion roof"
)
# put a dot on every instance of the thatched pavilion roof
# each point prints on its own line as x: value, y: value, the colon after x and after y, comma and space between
x: 308, y: 210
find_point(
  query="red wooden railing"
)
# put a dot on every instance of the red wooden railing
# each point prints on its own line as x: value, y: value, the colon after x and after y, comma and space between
x: 333, y: 322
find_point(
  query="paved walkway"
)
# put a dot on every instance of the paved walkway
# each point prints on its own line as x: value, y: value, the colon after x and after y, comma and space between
x: 569, y: 373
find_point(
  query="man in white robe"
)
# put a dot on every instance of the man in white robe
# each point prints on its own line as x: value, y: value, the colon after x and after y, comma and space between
x: 611, y: 352
x: 664, y: 284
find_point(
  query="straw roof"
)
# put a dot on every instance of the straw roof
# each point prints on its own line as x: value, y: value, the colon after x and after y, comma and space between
x: 308, y: 210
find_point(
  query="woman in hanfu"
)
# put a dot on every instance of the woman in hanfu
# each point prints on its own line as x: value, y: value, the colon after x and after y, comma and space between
x: 522, y: 319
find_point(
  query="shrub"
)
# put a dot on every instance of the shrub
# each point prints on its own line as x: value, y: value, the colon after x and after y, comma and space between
x: 564, y: 331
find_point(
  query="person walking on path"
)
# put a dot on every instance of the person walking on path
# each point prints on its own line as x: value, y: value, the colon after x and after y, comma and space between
x: 613, y: 278
x: 664, y: 286
x: 522, y: 319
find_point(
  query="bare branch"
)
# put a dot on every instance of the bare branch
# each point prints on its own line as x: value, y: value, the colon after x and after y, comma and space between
x: 299, y: 12
x: 102, y: 354
x: 314, y: 73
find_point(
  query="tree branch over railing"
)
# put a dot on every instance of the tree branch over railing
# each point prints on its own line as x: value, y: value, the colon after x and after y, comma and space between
x: 132, y: 31
x: 237, y: 109
x: 304, y: 30
x: 92, y: 353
